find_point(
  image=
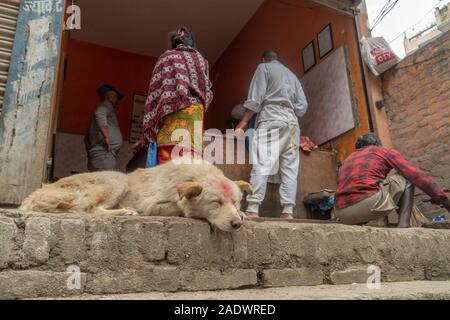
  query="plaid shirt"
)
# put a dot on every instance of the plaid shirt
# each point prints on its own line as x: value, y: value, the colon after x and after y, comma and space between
x: 366, y: 168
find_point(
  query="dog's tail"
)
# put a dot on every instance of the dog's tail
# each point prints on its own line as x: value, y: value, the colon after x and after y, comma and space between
x: 51, y: 201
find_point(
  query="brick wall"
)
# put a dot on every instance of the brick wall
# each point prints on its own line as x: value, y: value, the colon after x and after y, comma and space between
x: 417, y: 99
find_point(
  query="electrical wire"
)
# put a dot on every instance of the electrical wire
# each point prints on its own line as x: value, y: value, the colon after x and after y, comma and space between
x: 416, y: 23
x: 388, y: 10
x: 383, y: 15
x: 382, y: 11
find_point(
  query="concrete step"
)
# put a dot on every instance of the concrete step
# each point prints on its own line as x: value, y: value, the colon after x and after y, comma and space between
x: 45, y: 255
x: 416, y: 290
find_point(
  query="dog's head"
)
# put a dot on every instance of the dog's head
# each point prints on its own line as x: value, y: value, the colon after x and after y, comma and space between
x: 216, y: 199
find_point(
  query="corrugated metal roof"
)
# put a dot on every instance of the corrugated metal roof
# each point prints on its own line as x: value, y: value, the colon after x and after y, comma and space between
x: 9, y: 9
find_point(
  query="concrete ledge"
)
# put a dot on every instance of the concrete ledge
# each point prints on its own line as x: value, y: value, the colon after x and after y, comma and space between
x: 292, y: 277
x: 416, y: 290
x: 147, y: 254
x: 349, y: 276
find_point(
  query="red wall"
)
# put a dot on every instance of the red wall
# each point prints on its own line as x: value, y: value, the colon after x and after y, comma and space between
x: 88, y: 67
x: 287, y: 26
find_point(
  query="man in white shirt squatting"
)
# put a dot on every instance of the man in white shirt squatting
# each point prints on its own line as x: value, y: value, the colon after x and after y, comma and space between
x: 276, y: 95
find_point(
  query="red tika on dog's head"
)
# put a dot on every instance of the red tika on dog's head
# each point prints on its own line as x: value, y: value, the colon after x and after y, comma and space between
x: 216, y: 199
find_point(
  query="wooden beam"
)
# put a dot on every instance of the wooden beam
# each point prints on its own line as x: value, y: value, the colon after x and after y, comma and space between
x: 348, y: 7
x: 26, y: 117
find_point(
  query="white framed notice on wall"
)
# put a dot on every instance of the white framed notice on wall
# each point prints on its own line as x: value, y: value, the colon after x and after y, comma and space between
x: 308, y: 57
x: 137, y: 118
x: 325, y: 41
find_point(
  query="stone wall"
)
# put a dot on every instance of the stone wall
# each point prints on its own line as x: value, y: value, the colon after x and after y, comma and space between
x: 417, y: 99
x: 144, y: 254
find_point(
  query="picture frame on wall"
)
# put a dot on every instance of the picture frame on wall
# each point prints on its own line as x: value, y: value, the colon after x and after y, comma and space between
x: 308, y: 57
x: 325, y: 41
x: 137, y: 118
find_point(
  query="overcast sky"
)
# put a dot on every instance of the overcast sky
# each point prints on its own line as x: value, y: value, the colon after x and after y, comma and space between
x: 408, y: 16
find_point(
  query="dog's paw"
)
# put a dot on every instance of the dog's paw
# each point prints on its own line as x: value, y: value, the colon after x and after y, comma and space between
x: 129, y: 213
x: 132, y: 213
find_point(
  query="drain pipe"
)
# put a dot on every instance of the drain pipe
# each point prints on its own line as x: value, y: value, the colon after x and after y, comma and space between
x: 363, y: 74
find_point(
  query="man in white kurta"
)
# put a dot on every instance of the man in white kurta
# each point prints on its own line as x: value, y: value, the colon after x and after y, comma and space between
x: 277, y: 96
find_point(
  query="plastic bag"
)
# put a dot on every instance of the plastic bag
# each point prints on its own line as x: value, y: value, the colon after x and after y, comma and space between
x: 378, y: 55
x: 152, y: 155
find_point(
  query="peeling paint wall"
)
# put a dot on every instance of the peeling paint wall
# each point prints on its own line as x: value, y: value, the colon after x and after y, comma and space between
x: 25, y: 122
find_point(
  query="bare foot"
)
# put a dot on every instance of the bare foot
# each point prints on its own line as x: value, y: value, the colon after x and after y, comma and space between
x: 287, y: 216
x: 251, y: 215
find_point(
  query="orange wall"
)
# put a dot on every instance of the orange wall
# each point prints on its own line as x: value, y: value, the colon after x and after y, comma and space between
x: 287, y: 26
x: 88, y: 67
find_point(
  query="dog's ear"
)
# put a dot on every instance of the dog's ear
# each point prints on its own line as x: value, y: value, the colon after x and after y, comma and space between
x: 245, y: 187
x: 189, y: 190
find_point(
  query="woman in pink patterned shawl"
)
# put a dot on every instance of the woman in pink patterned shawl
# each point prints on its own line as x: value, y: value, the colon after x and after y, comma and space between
x: 179, y: 94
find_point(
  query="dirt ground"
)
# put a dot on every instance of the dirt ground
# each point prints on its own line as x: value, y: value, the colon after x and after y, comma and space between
x: 416, y: 290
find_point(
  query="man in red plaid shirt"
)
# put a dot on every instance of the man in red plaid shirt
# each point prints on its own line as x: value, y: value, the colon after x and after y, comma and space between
x: 366, y: 193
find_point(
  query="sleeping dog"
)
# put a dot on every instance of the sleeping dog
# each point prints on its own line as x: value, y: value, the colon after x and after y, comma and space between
x: 187, y: 189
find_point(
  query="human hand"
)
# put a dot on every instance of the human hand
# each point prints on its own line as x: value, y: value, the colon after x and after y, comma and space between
x: 139, y: 145
x: 240, y: 129
x: 108, y: 144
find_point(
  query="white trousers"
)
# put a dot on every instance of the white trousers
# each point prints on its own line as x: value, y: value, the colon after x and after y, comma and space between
x: 275, y: 150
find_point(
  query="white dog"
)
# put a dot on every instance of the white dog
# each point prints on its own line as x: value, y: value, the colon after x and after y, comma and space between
x: 191, y: 190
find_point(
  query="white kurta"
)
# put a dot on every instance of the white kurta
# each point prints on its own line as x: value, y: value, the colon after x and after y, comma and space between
x: 277, y: 96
